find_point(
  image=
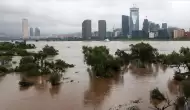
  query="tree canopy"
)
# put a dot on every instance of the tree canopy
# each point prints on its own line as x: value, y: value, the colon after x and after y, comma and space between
x: 102, y: 63
x: 50, y: 50
x: 144, y: 52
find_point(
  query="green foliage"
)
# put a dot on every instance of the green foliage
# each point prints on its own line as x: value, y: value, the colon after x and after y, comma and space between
x: 63, y: 64
x: 124, y: 56
x: 56, y: 69
x: 179, y: 77
x: 3, y: 69
x: 6, y: 46
x: 28, y: 67
x: 26, y: 60
x: 174, y: 59
x: 49, y: 50
x: 156, y: 94
x: 20, y: 52
x: 23, y: 45
x: 186, y: 88
x: 12, y: 49
x: 20, y: 45
x: 5, y: 59
x: 102, y: 63
x: 144, y: 52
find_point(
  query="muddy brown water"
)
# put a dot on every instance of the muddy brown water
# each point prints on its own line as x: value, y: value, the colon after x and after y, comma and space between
x: 85, y: 92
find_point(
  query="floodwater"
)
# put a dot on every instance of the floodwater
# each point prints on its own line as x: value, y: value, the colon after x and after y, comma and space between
x: 85, y: 92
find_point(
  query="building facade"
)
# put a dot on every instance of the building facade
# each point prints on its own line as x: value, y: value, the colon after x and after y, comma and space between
x: 145, y: 26
x: 187, y: 34
x: 102, y: 29
x: 163, y: 34
x: 125, y: 25
x: 138, y: 34
x: 86, y: 29
x: 164, y: 26
x: 134, y: 19
x: 31, y: 32
x: 25, y: 31
x: 37, y: 32
x: 178, y: 33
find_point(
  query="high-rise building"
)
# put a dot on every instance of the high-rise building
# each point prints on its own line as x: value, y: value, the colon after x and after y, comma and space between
x: 125, y: 25
x: 154, y: 27
x: 164, y: 25
x: 31, y: 32
x: 86, y: 29
x: 163, y: 34
x: 145, y: 26
x: 134, y: 19
x: 102, y: 29
x: 37, y: 32
x: 25, y: 28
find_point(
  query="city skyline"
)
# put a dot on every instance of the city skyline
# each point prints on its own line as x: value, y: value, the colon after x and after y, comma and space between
x: 57, y: 19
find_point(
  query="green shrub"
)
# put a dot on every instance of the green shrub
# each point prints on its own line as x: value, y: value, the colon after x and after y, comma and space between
x: 50, y: 50
x: 3, y: 69
x: 102, y: 63
x: 156, y: 94
x: 179, y: 77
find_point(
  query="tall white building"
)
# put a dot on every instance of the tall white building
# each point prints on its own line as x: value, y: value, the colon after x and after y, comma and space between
x: 25, y: 30
x: 134, y: 19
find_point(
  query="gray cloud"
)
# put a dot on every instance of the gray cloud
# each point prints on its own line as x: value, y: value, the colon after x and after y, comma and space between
x: 65, y: 16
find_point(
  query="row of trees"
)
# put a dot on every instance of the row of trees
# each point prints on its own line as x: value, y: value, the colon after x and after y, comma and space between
x: 104, y: 64
x: 37, y: 65
x: 31, y: 63
x: 15, y: 49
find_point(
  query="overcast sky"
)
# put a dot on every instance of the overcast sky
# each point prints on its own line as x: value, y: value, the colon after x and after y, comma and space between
x: 66, y: 16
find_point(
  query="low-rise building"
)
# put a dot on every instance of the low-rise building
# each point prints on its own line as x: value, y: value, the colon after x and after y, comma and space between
x: 187, y: 34
x: 179, y: 33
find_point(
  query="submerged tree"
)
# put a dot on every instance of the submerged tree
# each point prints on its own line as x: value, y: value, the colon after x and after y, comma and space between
x: 49, y: 50
x: 143, y: 52
x: 102, y: 63
x: 56, y: 70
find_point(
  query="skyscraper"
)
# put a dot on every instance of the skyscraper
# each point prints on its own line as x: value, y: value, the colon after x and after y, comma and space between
x: 31, y: 32
x: 25, y: 28
x: 37, y: 32
x: 164, y: 25
x: 102, y: 29
x: 134, y: 19
x: 157, y: 26
x: 154, y: 27
x: 145, y: 26
x: 86, y: 29
x: 125, y: 25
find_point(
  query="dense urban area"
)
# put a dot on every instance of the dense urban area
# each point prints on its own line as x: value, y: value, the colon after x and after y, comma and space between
x: 129, y: 31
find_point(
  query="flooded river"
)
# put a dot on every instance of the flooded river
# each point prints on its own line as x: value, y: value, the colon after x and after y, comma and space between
x: 85, y: 92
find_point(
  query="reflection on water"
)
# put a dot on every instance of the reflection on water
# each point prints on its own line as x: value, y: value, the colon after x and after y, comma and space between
x: 150, y: 70
x: 90, y: 92
x: 173, y: 86
x: 99, y: 89
x: 54, y: 90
